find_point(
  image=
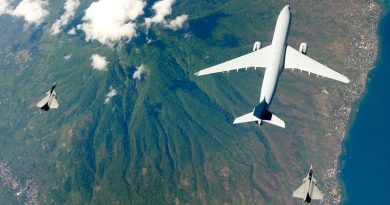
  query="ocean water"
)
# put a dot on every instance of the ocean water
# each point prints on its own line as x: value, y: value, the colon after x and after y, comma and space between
x: 366, y: 159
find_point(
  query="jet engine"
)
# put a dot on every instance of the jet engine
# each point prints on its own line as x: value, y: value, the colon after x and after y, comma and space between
x: 256, y: 46
x: 303, y: 48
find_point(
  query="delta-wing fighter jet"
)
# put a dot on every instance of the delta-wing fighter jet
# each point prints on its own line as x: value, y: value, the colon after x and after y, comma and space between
x: 274, y: 58
x: 309, y: 190
x: 50, y: 100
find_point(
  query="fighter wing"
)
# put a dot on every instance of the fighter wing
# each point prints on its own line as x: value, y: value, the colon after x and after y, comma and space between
x: 43, y: 101
x: 255, y: 59
x: 54, y: 103
x: 297, y: 60
x: 316, y: 194
x: 301, y: 192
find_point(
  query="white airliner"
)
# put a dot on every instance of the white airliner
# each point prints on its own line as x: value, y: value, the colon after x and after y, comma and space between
x: 308, y: 190
x: 274, y: 58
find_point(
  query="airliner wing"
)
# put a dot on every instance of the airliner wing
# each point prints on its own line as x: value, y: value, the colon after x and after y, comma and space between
x: 297, y: 60
x: 254, y: 59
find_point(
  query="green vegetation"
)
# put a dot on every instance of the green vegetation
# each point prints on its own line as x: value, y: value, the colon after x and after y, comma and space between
x: 168, y: 138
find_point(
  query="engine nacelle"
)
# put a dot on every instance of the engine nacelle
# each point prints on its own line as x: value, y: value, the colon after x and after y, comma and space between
x: 303, y: 48
x: 257, y: 46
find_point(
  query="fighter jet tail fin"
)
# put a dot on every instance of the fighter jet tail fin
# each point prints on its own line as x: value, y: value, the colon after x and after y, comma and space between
x: 251, y: 118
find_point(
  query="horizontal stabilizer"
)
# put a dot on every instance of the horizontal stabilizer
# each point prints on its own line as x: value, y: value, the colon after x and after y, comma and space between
x: 251, y: 118
x: 275, y: 120
x: 246, y: 118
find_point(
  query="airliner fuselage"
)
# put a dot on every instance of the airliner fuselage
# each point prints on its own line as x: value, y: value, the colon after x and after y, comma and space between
x: 277, y: 56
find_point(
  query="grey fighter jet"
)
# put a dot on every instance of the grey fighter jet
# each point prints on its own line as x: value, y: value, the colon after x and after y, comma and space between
x: 274, y: 58
x: 309, y: 190
x: 50, y: 100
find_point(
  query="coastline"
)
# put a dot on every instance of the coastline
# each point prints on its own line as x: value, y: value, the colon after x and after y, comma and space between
x: 363, y: 51
x: 354, y: 111
x: 355, y: 108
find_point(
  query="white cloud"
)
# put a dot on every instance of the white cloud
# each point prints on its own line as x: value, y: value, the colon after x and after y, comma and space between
x: 4, y: 7
x: 110, y: 94
x: 140, y: 72
x: 70, y: 9
x: 110, y: 21
x: 33, y: 11
x: 178, y: 22
x: 67, y: 57
x: 72, y: 31
x: 162, y: 9
x: 99, y: 62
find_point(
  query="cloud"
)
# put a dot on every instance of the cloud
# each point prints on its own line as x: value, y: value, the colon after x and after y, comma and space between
x: 110, y: 94
x: 162, y: 9
x: 177, y: 23
x: 70, y: 9
x: 110, y: 21
x: 67, y: 57
x: 33, y: 11
x: 140, y: 72
x: 72, y: 31
x: 99, y: 62
x: 113, y: 21
x: 4, y: 7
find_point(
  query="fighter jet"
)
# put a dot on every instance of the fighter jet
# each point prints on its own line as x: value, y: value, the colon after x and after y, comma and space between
x: 50, y: 101
x: 309, y: 190
x: 274, y: 58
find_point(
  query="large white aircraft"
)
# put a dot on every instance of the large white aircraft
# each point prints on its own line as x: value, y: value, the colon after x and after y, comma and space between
x: 308, y: 190
x: 274, y: 58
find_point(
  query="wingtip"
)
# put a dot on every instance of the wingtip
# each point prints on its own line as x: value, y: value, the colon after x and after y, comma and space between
x: 346, y: 80
x: 282, y: 125
x: 197, y: 73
